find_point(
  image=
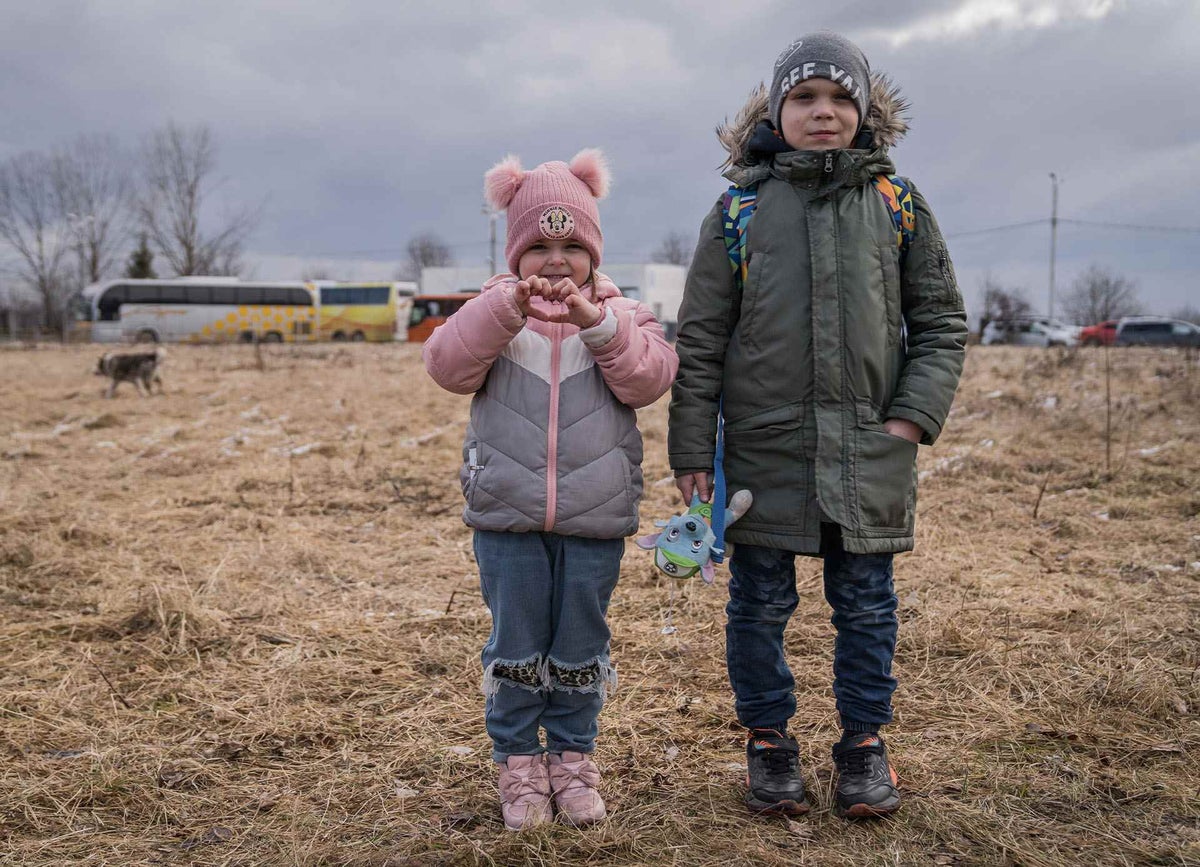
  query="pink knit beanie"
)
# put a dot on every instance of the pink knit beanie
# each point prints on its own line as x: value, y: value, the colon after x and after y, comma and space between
x: 555, y: 201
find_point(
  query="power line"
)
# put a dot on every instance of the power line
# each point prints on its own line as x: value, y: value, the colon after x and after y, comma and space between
x: 1134, y: 226
x: 998, y: 228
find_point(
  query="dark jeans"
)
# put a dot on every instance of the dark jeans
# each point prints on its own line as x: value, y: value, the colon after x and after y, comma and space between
x: 762, y: 597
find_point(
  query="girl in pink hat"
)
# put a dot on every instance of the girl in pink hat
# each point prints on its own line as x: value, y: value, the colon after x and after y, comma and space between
x: 557, y: 361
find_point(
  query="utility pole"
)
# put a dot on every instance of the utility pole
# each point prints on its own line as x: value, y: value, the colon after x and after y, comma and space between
x: 1053, y: 237
x: 492, y: 217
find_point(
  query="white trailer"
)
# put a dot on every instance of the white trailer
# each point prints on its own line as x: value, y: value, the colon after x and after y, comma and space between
x: 452, y: 280
x: 659, y: 287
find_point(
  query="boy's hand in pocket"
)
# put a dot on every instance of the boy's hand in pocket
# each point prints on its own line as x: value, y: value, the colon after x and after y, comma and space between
x: 903, y: 428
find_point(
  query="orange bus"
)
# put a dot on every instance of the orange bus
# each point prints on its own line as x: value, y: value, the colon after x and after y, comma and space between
x: 430, y: 311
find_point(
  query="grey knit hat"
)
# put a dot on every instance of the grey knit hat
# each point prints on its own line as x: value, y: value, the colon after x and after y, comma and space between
x: 823, y: 54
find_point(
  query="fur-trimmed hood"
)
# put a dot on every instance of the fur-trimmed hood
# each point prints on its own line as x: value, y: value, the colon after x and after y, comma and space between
x: 886, y: 123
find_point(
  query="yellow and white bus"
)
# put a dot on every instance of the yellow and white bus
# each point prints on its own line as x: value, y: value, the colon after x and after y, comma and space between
x: 363, y: 311
x: 198, y: 310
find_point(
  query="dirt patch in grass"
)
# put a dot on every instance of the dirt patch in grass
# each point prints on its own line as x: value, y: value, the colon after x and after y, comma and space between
x: 240, y: 623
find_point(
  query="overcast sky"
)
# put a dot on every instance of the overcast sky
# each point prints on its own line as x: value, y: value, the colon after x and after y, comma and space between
x: 361, y: 124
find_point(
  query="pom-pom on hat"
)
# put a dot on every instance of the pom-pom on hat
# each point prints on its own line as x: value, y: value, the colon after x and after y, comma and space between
x: 554, y: 201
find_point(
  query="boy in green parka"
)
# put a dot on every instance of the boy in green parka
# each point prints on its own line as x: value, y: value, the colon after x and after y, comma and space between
x: 838, y: 353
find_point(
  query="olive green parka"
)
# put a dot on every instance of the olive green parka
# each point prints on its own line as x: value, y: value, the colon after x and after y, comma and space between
x: 833, y: 333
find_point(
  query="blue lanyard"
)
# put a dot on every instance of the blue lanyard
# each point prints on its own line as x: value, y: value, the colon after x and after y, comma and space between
x: 718, y: 492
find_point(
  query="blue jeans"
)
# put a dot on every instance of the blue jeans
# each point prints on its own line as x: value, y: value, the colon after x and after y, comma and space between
x: 546, y: 663
x: 762, y: 597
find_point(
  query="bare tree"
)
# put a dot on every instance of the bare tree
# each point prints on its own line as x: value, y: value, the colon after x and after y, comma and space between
x: 315, y: 272
x: 8, y: 307
x: 1099, y: 294
x: 93, y: 182
x: 425, y: 250
x: 675, y: 249
x: 179, y: 167
x: 30, y: 222
x: 1002, y: 303
x: 18, y: 312
x: 1188, y: 313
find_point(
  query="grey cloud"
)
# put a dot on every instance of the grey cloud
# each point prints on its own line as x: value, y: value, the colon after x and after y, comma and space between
x: 361, y: 124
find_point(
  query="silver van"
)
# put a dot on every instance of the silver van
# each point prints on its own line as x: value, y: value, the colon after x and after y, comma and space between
x: 1156, y: 331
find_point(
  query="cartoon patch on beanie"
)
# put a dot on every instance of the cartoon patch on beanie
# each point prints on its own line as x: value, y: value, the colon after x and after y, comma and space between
x: 556, y: 223
x: 556, y: 200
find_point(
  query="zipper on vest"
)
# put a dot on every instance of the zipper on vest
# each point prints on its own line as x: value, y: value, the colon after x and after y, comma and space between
x: 552, y: 428
x: 828, y: 162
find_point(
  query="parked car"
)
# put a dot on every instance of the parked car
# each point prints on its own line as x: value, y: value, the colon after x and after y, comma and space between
x: 1029, y: 331
x: 1156, y: 331
x: 1100, y: 334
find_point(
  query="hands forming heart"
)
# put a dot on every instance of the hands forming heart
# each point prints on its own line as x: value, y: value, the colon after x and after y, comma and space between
x: 575, y: 309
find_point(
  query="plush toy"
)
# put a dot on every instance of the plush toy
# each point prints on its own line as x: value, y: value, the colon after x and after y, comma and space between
x: 685, y: 545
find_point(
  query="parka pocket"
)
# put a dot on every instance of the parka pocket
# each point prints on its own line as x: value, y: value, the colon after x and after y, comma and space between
x: 471, y: 469
x: 945, y: 265
x: 765, y: 452
x: 765, y: 422
x: 948, y: 292
x: 631, y: 496
x: 885, y: 475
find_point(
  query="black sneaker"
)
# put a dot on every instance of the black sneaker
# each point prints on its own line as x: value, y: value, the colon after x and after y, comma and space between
x: 866, y: 784
x: 773, y: 779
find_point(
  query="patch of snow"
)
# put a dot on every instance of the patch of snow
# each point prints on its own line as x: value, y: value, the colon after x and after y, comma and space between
x: 1153, y: 450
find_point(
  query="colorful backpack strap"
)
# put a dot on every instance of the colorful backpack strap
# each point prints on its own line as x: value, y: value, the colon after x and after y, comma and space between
x: 897, y: 195
x: 739, y: 202
x: 737, y: 207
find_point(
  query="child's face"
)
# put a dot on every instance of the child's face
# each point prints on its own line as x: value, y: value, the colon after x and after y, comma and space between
x: 556, y: 259
x: 818, y: 115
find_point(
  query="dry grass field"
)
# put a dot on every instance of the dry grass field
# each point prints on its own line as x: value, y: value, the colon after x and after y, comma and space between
x: 240, y: 624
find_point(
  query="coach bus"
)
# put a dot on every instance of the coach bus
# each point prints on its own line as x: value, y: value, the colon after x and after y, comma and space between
x: 362, y: 311
x: 198, y: 310
x: 430, y: 311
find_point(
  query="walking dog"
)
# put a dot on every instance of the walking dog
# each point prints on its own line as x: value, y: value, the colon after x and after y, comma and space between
x: 140, y: 368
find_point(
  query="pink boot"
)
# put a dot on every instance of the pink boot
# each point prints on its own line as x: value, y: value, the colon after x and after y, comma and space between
x: 574, y: 779
x: 524, y: 792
